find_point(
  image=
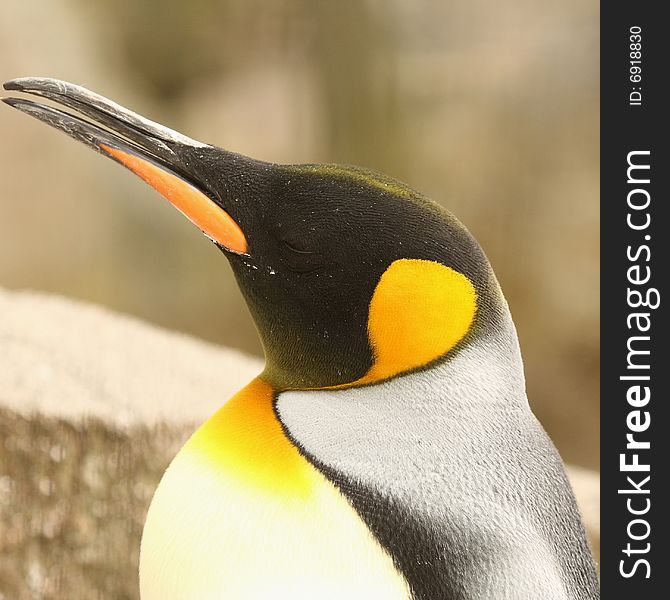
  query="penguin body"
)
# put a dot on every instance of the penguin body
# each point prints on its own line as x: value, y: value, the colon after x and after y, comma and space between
x: 388, y: 450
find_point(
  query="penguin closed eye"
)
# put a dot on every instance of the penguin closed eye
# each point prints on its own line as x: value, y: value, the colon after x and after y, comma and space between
x: 387, y: 451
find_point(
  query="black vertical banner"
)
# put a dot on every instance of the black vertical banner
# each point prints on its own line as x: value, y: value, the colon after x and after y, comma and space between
x: 635, y: 246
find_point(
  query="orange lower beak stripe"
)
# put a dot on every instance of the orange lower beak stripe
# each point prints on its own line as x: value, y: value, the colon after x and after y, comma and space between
x: 191, y: 202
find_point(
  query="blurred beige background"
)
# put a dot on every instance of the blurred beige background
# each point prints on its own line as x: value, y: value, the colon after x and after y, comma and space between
x: 489, y: 108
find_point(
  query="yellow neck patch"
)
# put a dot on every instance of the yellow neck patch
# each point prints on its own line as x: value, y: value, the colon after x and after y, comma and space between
x: 419, y: 311
x: 245, y: 441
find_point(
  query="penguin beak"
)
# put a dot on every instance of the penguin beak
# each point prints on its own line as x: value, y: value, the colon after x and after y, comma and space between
x: 153, y: 152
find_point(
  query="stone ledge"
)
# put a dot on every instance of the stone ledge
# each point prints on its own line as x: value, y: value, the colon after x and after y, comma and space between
x: 69, y: 359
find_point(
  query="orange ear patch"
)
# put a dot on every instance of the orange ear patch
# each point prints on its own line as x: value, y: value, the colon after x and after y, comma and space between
x: 215, y: 222
x: 419, y: 311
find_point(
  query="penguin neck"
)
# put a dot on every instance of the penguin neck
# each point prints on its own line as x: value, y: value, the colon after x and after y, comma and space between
x: 488, y: 365
x: 474, y: 389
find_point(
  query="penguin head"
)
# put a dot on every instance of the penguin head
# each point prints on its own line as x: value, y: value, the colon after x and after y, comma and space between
x: 350, y: 276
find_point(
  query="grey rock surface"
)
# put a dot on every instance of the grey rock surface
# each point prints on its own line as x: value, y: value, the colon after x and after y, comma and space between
x: 72, y: 360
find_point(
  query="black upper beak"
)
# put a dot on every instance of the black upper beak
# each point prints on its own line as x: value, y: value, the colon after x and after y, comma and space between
x: 161, y: 156
x: 126, y: 130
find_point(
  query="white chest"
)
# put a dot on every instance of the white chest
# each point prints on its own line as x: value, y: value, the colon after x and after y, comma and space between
x: 211, y: 536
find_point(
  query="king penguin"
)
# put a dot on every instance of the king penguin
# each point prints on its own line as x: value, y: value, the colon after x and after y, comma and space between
x: 388, y: 450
